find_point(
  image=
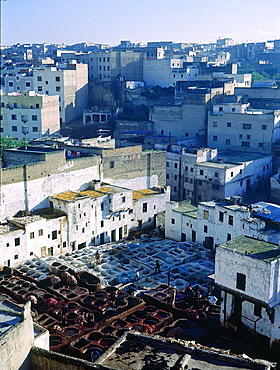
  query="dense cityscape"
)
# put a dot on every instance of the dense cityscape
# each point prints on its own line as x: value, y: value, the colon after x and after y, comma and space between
x: 140, y: 205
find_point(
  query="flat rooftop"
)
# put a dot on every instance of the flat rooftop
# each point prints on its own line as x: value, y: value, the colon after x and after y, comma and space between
x: 186, y: 208
x: 251, y: 247
x: 138, y: 194
x: 10, y: 315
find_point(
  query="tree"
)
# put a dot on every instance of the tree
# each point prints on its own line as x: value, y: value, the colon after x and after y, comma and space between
x: 9, y: 142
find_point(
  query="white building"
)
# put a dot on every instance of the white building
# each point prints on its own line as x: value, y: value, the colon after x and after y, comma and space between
x: 69, y: 81
x: 108, y: 213
x: 28, y: 115
x: 166, y: 72
x: 215, y: 222
x: 247, y: 272
x: 237, y: 127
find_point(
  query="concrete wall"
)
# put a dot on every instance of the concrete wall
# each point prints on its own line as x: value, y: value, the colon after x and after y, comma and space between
x: 17, y: 342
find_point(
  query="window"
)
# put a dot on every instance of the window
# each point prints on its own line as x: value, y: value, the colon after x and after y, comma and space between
x: 27, y: 84
x: 39, y: 78
x: 47, y: 92
x: 227, y: 141
x: 1, y: 117
x: 11, y: 83
x: 241, y: 183
x: 35, y: 129
x: 167, y: 176
x: 130, y: 211
x: 186, y: 134
x: 230, y: 220
x: 228, y: 124
x: 173, y: 221
x: 34, y: 117
x: 263, y: 127
x: 205, y: 229
x: 54, y: 234
x: 247, y: 126
x: 248, y: 137
x: 215, y: 124
x: 215, y: 138
x: 14, y: 117
x: 186, y: 168
x: 57, y: 88
x: 201, y: 172
x: 206, y: 215
x: 32, y: 235
x: 231, y: 174
x: 101, y: 206
x: 221, y: 109
x: 145, y: 207
x: 40, y: 232
x: 167, y: 164
x: 240, y: 136
x: 40, y: 88
x: 57, y: 79
x: 216, y: 174
x: 257, y: 310
x: 14, y: 128
x: 228, y: 237
x: 112, y: 164
x: 191, y: 169
x: 16, y: 256
x: 245, y: 143
x: 221, y: 216
x: 260, y: 145
x: 37, y: 105
x: 1, y: 129
x: 175, y: 165
x: 47, y: 82
x: 17, y: 242
x: 240, y: 281
x: 64, y: 245
x: 123, y: 199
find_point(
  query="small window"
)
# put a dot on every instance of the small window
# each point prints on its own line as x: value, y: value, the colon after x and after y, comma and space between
x: 191, y: 169
x: 54, y: 234
x: 248, y: 137
x: 7, y: 244
x: 167, y: 164
x: 14, y: 117
x: 40, y: 232
x: 186, y: 168
x: 240, y: 281
x: 205, y: 229
x: 228, y: 124
x: 64, y: 245
x: 175, y: 177
x: 14, y: 128
x: 175, y: 165
x: 228, y: 237
x: 102, y: 206
x: 231, y: 174
x: 215, y: 124
x: 227, y: 141
x: 37, y: 105
x: 130, y: 211
x: 216, y: 174
x: 247, y: 126
x: 264, y: 127
x: 57, y: 79
x: 175, y: 188
x: 173, y: 221
x: 145, y: 207
x: 167, y: 176
x: 215, y: 138
x: 11, y: 83
x: 57, y: 88
x: 39, y: 78
x: 221, y: 109
x: 102, y: 223
x: 123, y: 199
x: 245, y: 143
x: 27, y: 84
x: 112, y: 164
x: 16, y: 256
x: 40, y: 88
x: 257, y: 310
x: 32, y: 235
x: 221, y: 216
x: 17, y: 241
x: 35, y: 129
x: 201, y: 172
x: 240, y: 136
x: 47, y: 82
x: 206, y: 215
x: 230, y: 220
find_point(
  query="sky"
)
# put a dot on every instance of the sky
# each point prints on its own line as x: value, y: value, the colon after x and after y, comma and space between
x: 110, y: 21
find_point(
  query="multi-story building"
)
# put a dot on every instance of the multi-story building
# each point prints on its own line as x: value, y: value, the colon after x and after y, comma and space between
x: 237, y: 127
x: 28, y: 115
x: 33, y: 174
x: 247, y: 273
x: 215, y: 222
x: 204, y: 174
x: 69, y: 81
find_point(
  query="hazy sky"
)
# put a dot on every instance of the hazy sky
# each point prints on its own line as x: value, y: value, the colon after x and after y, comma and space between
x: 110, y: 21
